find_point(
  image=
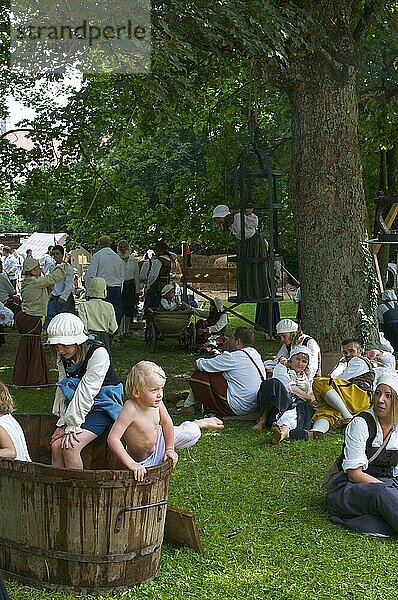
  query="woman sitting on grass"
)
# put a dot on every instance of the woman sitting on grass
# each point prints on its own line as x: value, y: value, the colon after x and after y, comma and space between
x: 292, y: 336
x: 364, y: 497
x: 210, y: 328
x: 287, y: 396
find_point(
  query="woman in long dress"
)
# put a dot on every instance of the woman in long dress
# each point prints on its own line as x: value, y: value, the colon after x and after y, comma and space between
x: 364, y: 497
x: 30, y: 369
x: 254, y: 280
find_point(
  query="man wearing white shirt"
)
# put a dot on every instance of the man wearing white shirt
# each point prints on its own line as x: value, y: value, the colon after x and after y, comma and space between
x: 131, y: 285
x: 229, y: 382
x: 346, y: 392
x: 107, y: 264
x: 61, y: 298
x: 10, y: 266
x: 47, y: 262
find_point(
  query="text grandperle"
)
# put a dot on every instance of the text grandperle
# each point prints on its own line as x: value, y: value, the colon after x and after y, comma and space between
x: 86, y: 31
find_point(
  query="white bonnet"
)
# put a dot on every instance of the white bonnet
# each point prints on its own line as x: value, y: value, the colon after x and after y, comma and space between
x: 299, y: 350
x: 389, y: 378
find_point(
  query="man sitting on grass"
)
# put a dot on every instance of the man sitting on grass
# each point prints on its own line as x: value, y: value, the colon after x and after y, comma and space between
x: 345, y: 393
x: 228, y: 383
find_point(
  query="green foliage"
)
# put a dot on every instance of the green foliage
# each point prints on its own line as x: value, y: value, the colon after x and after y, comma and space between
x: 9, y: 220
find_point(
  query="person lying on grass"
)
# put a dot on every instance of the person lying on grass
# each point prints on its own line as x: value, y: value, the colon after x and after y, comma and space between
x: 146, y: 426
x: 12, y: 438
x: 287, y: 396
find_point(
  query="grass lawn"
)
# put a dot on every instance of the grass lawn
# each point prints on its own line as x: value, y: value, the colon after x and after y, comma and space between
x: 260, y: 509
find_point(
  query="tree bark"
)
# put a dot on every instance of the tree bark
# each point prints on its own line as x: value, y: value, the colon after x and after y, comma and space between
x: 327, y: 193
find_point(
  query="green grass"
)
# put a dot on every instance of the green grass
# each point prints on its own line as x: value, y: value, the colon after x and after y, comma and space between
x: 260, y: 510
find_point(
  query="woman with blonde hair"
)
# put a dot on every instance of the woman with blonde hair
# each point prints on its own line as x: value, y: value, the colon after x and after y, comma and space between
x: 364, y: 495
x: 291, y: 336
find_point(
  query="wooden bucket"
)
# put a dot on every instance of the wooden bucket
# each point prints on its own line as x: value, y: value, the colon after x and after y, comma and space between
x: 96, y: 531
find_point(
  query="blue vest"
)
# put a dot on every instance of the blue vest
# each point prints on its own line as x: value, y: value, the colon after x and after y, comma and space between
x: 78, y: 370
x: 391, y: 315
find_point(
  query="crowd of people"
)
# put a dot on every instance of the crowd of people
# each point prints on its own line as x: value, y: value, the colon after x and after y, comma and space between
x: 288, y: 394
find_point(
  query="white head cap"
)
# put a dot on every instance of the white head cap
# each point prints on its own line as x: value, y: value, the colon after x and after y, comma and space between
x: 299, y: 350
x: 66, y: 329
x: 286, y: 326
x: 389, y: 378
x: 221, y: 210
x: 388, y: 295
x: 167, y: 288
x: 97, y: 288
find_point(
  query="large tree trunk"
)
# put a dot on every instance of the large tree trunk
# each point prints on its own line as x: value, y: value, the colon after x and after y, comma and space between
x: 328, y: 200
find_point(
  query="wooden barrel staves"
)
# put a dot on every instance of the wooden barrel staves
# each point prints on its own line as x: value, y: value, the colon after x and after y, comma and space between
x: 96, y: 531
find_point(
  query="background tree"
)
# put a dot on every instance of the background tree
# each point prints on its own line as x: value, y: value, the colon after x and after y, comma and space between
x: 309, y: 51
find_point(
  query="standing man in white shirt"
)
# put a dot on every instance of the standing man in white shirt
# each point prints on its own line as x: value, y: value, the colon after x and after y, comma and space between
x: 10, y: 266
x: 47, y: 262
x: 61, y: 298
x: 107, y: 264
x: 228, y: 383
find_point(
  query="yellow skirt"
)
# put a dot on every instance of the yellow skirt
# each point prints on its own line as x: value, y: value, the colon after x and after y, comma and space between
x: 353, y: 397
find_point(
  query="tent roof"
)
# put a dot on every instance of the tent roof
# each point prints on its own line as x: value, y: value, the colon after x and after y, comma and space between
x: 39, y: 243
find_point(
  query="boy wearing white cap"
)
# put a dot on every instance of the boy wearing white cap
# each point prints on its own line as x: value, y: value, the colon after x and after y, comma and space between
x: 169, y: 300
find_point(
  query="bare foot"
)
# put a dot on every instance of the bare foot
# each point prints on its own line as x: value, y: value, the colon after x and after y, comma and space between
x: 278, y: 433
x: 259, y: 425
x: 210, y: 423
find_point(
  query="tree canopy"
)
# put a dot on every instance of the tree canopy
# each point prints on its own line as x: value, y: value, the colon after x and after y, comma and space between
x: 147, y: 155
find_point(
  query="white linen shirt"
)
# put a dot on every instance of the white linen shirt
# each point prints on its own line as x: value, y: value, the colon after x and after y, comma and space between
x: 11, y: 266
x: 64, y: 287
x: 242, y: 377
x: 132, y: 271
x: 106, y: 264
x: 356, y: 435
x: 251, y: 224
x: 356, y: 366
x: 47, y: 264
x: 74, y: 414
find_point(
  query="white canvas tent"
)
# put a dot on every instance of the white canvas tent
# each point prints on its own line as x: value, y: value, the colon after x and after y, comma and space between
x: 39, y: 243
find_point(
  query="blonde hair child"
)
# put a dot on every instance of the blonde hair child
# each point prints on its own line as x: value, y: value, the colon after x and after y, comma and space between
x: 143, y: 435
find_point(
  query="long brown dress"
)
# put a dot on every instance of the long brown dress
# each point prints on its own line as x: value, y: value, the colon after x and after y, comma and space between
x: 30, y: 369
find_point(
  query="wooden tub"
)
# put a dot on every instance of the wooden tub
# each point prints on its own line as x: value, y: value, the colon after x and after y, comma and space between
x: 97, y: 531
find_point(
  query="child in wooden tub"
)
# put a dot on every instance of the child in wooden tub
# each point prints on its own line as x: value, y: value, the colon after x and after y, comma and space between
x: 12, y: 438
x: 146, y: 426
x: 89, y: 394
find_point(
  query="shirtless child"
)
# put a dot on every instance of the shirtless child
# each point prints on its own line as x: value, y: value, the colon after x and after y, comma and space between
x: 146, y: 426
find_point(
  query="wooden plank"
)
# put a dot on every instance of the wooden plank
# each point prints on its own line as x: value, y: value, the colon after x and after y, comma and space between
x: 378, y: 274
x: 389, y: 220
x: 181, y: 529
